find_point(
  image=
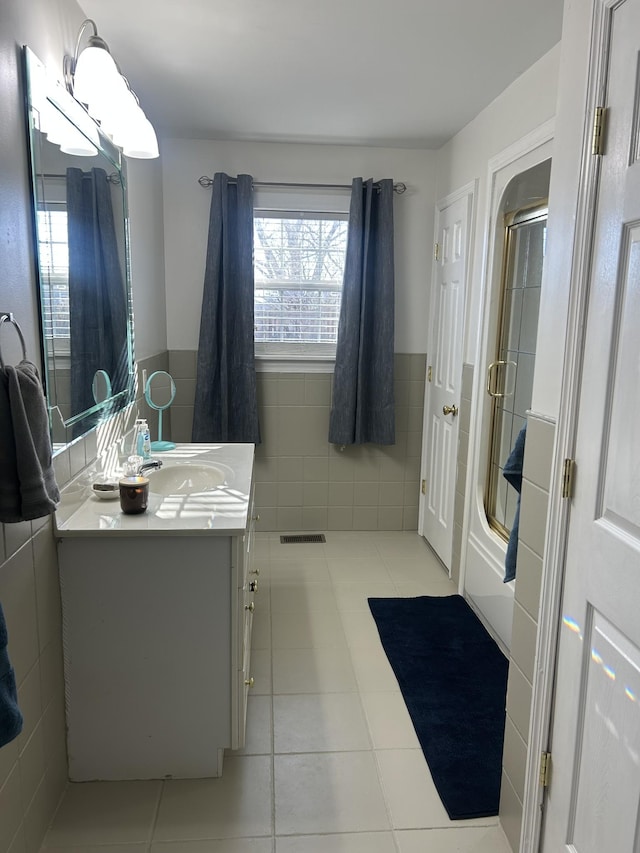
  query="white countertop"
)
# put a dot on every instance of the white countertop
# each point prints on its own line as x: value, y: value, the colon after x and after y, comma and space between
x: 218, y: 511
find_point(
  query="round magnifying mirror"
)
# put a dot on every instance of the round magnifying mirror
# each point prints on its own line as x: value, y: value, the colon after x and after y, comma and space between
x: 101, y: 386
x: 159, y: 392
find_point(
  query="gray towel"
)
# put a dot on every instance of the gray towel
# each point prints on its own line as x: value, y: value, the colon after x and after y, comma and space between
x: 26, y: 447
x: 10, y: 716
x: 9, y: 483
x: 512, y: 472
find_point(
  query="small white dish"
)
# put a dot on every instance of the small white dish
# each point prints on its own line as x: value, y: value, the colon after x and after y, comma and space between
x: 105, y: 491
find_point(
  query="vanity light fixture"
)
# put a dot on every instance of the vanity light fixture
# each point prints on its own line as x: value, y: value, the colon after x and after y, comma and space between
x: 94, y: 79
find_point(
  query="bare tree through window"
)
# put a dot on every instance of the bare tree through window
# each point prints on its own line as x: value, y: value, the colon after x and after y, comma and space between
x: 299, y: 265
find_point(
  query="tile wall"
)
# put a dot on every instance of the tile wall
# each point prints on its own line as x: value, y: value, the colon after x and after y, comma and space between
x: 304, y: 483
x: 33, y: 767
x: 533, y: 517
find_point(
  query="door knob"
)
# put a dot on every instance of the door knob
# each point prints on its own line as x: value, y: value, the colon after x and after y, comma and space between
x: 450, y: 410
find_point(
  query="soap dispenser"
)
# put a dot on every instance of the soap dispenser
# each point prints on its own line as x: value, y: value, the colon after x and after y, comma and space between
x: 143, y: 440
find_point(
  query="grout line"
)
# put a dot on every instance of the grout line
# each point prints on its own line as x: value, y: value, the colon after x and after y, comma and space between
x: 154, y: 823
x: 272, y: 732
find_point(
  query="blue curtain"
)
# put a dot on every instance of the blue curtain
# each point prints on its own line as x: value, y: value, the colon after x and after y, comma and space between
x: 363, y: 402
x: 97, y: 295
x: 226, y: 407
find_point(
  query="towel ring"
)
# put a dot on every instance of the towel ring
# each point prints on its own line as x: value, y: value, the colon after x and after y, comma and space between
x: 7, y: 317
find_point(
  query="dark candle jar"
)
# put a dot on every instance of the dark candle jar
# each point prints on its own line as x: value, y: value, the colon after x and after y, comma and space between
x: 134, y: 494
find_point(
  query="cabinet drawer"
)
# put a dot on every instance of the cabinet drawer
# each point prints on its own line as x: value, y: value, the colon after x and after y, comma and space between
x: 247, y: 544
x: 246, y: 608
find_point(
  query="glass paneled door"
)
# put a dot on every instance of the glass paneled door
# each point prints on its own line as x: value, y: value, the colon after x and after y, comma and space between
x: 510, y: 375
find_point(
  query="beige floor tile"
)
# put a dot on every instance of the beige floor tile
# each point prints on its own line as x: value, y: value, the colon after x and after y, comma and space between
x: 455, y: 840
x: 261, y: 628
x: 404, y: 546
x: 355, y: 842
x: 236, y: 805
x: 418, y: 570
x: 308, y: 569
x: 409, y: 790
x: 260, y: 670
x: 313, y: 629
x: 312, y: 722
x: 258, y: 739
x: 373, y: 670
x: 369, y: 569
x: 296, y: 551
x: 312, y: 671
x: 328, y: 793
x: 353, y: 596
x: 359, y: 628
x: 229, y: 845
x: 413, y: 590
x: 389, y: 721
x: 105, y: 813
x: 411, y: 795
x: 357, y: 545
x: 301, y: 597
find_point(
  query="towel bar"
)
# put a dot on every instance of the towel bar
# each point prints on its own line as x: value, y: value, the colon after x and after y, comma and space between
x: 7, y: 317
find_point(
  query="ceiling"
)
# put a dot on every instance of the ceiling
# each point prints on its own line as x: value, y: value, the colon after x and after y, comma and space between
x: 398, y: 73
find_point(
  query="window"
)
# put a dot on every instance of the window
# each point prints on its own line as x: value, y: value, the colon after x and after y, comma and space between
x: 298, y: 265
x: 53, y: 255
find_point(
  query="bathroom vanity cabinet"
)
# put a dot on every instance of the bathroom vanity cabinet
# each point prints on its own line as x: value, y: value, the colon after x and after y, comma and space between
x: 157, y: 634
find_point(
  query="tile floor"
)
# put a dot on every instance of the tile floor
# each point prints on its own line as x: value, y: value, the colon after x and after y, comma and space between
x: 331, y: 763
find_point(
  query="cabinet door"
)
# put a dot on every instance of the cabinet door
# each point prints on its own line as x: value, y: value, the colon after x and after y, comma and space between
x: 247, y: 588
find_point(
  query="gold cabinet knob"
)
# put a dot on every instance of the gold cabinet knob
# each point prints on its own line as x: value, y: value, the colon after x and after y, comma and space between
x: 250, y: 607
x: 250, y: 681
x: 254, y: 572
x: 450, y: 410
x: 256, y: 517
x: 253, y: 586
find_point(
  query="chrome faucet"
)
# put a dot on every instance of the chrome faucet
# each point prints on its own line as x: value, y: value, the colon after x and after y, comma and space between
x: 151, y: 463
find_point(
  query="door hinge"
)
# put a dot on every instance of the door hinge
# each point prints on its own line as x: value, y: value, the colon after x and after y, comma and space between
x: 423, y: 487
x: 597, y: 139
x: 436, y: 251
x: 568, y: 477
x: 429, y: 374
x: 545, y: 768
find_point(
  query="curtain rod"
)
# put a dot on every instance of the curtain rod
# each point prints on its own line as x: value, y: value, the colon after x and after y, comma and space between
x: 204, y: 181
x: 113, y: 178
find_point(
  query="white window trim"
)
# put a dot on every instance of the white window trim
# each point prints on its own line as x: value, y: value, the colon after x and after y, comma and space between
x: 294, y: 364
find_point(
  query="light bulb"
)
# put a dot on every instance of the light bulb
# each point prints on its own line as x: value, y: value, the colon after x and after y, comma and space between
x: 94, y: 73
x: 141, y: 141
x: 77, y: 144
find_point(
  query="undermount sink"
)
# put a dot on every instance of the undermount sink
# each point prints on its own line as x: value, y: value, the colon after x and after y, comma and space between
x: 187, y: 478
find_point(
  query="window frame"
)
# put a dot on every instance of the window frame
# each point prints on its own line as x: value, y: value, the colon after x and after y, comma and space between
x: 296, y: 356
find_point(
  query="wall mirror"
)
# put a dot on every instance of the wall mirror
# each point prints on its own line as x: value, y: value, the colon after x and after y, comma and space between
x: 81, y: 232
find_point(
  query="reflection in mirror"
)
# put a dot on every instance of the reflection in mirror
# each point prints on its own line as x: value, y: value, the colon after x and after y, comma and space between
x: 101, y: 387
x: 79, y: 199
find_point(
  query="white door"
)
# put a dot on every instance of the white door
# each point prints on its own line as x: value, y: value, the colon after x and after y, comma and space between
x: 444, y: 376
x: 594, y: 796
